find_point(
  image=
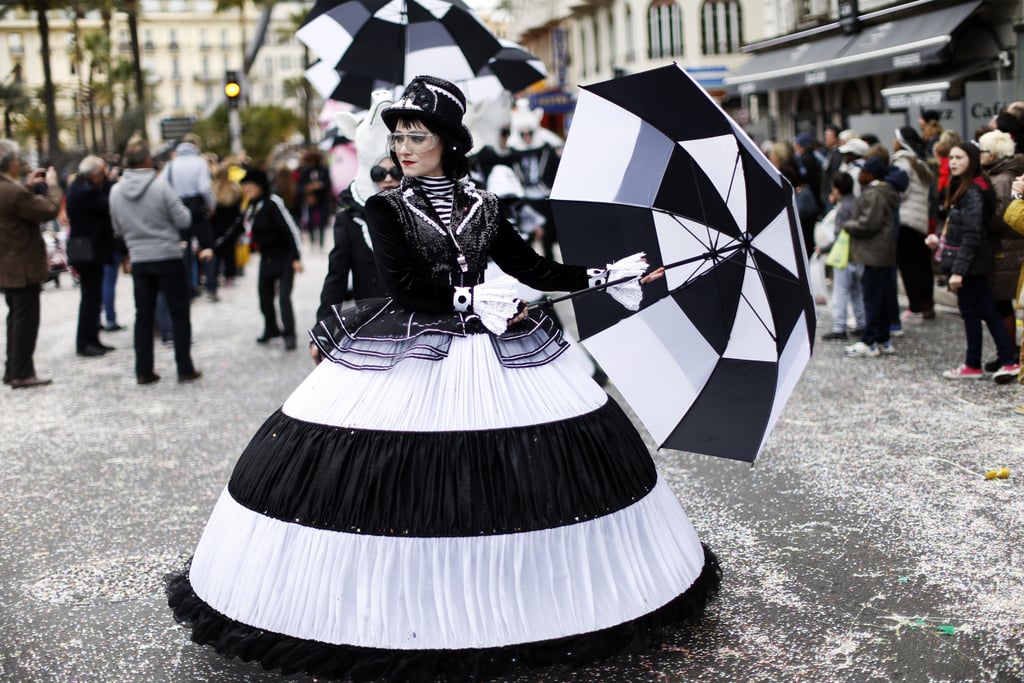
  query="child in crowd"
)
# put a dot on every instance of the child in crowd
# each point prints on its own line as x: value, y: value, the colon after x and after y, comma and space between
x: 846, y: 285
x: 873, y: 245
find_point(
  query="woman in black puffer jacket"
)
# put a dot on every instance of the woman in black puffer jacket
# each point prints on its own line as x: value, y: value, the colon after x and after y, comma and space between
x: 966, y: 257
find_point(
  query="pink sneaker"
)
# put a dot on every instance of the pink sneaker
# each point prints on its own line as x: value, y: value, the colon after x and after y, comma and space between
x: 964, y: 372
x: 1006, y: 374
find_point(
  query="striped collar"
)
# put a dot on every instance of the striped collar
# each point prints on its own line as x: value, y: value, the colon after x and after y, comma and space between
x: 466, y: 202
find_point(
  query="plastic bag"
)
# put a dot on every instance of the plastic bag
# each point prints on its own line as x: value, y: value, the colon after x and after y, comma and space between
x: 819, y: 283
x: 839, y: 254
x: 825, y: 230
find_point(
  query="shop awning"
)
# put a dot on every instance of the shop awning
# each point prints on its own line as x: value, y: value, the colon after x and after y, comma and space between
x: 928, y: 92
x: 904, y: 43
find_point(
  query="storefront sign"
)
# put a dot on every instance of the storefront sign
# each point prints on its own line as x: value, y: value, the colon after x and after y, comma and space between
x: 553, y: 101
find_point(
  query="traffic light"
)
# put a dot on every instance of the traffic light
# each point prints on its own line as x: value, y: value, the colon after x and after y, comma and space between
x: 232, y: 88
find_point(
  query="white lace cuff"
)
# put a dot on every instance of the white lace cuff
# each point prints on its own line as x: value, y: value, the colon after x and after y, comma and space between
x: 596, y: 277
x: 462, y: 300
x: 495, y: 302
x: 629, y: 293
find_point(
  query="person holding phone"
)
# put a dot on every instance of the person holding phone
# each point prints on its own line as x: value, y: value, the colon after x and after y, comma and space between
x: 23, y: 264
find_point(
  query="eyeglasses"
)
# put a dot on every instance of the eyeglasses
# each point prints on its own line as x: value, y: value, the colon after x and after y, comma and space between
x: 414, y: 142
x: 379, y: 173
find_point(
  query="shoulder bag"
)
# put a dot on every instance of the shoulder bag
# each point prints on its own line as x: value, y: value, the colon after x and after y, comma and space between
x: 81, y: 251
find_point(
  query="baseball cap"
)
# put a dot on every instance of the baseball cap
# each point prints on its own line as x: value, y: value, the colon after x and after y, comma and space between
x: 855, y: 146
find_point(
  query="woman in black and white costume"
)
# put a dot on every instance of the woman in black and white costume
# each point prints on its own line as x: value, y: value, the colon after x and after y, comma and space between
x: 450, y: 496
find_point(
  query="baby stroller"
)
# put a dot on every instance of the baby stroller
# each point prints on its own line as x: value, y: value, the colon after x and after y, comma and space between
x: 55, y: 256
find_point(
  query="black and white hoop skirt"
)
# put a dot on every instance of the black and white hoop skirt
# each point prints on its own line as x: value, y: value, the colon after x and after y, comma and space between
x: 442, y: 504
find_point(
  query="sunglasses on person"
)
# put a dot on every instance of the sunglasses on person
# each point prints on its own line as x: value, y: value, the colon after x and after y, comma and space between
x: 414, y: 142
x: 379, y: 173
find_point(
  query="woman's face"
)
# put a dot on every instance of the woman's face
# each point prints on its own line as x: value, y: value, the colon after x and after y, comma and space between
x: 418, y: 150
x: 252, y: 191
x: 958, y: 161
x: 388, y: 183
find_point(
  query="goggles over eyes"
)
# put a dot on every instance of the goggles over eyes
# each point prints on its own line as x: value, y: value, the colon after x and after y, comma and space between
x: 414, y: 142
x: 379, y: 173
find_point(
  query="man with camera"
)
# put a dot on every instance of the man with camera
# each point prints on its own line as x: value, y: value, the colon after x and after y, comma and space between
x: 23, y: 264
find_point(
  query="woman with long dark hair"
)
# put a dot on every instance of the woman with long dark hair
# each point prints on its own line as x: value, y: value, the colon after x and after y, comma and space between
x: 966, y: 257
x: 448, y: 495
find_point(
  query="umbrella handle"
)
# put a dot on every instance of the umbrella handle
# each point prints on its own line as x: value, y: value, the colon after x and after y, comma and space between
x: 571, y: 295
x: 597, y: 288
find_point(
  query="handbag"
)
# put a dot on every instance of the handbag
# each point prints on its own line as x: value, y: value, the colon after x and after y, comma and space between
x: 945, y: 255
x: 81, y: 251
x: 839, y: 254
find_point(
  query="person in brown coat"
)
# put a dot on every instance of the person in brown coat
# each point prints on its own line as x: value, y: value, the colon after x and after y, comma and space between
x: 23, y: 265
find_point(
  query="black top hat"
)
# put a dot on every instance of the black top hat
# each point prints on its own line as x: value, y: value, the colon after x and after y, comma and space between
x: 436, y: 102
x: 257, y: 176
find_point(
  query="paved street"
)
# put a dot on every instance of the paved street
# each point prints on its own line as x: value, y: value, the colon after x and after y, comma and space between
x: 865, y: 545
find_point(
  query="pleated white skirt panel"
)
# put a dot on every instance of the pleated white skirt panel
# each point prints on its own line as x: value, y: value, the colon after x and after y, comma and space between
x: 446, y: 593
x: 469, y: 390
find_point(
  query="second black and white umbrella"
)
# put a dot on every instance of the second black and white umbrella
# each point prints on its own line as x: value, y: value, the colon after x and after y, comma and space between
x: 652, y: 164
x: 374, y: 43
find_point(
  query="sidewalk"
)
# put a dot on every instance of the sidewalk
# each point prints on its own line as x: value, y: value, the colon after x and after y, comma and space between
x: 865, y: 544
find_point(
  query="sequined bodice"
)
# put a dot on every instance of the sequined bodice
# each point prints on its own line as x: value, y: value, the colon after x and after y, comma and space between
x: 472, y: 230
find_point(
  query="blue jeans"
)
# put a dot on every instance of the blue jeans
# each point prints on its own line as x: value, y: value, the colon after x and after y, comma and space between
x: 878, y: 284
x: 847, y: 293
x: 976, y: 304
x: 110, y: 273
x: 167, y: 278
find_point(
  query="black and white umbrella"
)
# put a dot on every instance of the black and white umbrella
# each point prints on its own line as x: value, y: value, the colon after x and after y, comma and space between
x: 370, y: 44
x: 513, y: 69
x: 341, y: 87
x: 653, y: 164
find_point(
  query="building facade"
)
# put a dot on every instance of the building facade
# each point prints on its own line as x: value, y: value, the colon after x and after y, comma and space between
x: 786, y: 66
x: 593, y: 40
x: 186, y: 49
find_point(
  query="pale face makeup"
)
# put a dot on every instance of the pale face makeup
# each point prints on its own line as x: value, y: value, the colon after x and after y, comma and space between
x: 422, y: 163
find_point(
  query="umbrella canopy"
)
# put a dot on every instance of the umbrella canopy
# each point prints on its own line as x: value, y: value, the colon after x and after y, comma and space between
x: 653, y: 164
x: 512, y: 69
x: 370, y: 44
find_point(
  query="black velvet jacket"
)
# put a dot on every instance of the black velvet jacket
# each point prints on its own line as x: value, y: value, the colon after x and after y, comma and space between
x: 350, y: 255
x: 418, y: 260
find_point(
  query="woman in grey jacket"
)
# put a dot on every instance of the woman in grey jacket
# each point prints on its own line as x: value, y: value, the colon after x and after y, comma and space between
x: 912, y: 255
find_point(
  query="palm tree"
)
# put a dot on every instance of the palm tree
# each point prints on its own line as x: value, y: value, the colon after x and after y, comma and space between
x: 40, y: 7
x: 34, y: 125
x: 14, y: 98
x: 77, y: 13
x: 131, y: 7
x: 97, y: 46
x: 300, y: 86
x: 250, y: 52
